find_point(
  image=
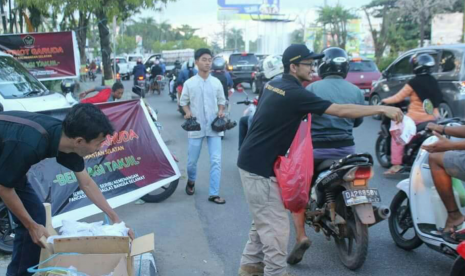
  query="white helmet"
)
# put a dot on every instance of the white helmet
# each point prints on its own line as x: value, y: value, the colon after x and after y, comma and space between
x: 273, y: 66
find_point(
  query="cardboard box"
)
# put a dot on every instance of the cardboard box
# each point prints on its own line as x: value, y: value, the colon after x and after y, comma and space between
x: 99, y: 255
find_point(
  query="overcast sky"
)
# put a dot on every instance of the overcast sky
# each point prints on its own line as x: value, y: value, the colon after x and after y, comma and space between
x: 202, y: 14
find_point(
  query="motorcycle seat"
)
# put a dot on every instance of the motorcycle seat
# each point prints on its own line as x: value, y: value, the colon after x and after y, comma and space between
x: 323, y: 166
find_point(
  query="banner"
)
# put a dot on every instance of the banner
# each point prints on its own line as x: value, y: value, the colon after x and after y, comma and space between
x: 243, y: 9
x: 47, y: 56
x: 132, y: 162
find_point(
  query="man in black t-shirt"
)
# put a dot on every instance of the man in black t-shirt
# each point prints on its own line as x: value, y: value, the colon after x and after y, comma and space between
x: 282, y: 106
x: 26, y: 139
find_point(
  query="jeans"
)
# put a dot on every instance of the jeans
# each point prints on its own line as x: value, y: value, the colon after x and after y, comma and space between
x: 214, y: 148
x: 25, y: 252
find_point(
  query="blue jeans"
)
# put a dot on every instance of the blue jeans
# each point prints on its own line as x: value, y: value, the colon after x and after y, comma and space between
x: 214, y: 148
x: 25, y: 252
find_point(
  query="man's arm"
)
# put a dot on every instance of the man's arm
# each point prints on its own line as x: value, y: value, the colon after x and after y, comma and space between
x: 221, y: 99
x: 455, y: 131
x: 85, y: 93
x: 443, y: 144
x: 356, y: 111
x: 90, y: 188
x: 15, y: 205
x: 184, y: 102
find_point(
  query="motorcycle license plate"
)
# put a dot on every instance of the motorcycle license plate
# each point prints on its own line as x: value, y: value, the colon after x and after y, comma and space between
x: 355, y: 197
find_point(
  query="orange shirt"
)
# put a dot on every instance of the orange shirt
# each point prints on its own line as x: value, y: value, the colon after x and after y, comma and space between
x: 415, y: 109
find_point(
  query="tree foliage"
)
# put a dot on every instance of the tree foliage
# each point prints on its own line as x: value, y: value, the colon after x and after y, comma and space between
x: 336, y: 18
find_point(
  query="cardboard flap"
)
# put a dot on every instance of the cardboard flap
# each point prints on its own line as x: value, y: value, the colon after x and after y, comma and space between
x: 143, y: 245
x: 93, y: 245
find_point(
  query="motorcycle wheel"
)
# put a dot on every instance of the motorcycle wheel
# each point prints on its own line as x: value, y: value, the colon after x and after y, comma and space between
x: 353, y: 247
x: 382, y: 152
x: 6, y: 233
x: 162, y: 193
x: 458, y: 268
x: 400, y: 222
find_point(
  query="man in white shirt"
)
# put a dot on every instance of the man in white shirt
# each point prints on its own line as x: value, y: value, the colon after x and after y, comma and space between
x: 203, y: 98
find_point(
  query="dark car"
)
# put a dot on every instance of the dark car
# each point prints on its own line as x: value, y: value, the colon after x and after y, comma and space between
x: 448, y: 71
x: 362, y: 73
x: 241, y: 67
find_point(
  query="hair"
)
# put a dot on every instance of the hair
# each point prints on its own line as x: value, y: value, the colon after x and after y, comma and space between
x: 202, y: 51
x: 86, y: 121
x: 116, y: 86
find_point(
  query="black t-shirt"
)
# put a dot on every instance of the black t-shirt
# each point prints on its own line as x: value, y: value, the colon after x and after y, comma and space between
x: 224, y: 81
x: 22, y: 146
x: 281, y: 108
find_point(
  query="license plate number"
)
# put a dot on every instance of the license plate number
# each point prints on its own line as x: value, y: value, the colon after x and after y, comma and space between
x: 355, y: 197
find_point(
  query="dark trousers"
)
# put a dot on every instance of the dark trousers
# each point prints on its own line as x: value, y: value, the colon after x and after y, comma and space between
x: 25, y: 252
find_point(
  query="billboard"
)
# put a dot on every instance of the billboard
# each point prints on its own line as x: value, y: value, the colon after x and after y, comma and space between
x: 244, y: 9
x: 47, y: 56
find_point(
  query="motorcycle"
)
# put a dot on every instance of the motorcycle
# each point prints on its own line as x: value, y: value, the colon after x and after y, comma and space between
x: 458, y: 268
x: 171, y: 76
x: 383, y: 143
x: 140, y: 86
x: 91, y: 74
x: 7, y: 230
x: 414, y: 219
x: 156, y: 84
x: 340, y: 206
x: 67, y: 88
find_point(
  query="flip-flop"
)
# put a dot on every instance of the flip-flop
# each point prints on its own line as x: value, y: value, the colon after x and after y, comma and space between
x: 298, y: 252
x: 217, y: 200
x: 393, y: 172
x: 190, y: 188
x: 455, y: 235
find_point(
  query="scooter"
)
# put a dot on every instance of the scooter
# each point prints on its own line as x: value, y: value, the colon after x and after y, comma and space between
x: 415, y: 209
x: 140, y: 86
x: 458, y: 268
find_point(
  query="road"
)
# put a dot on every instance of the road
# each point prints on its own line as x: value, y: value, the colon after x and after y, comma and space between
x: 196, y: 237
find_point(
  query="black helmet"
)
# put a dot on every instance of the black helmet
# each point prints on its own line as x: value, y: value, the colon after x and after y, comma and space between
x: 335, y: 62
x: 67, y: 85
x: 422, y: 64
x: 218, y: 63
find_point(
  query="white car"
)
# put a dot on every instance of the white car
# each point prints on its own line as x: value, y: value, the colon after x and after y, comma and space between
x: 132, y: 61
x: 123, y: 65
x: 19, y: 90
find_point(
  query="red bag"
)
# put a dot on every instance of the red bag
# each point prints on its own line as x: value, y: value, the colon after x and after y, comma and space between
x: 294, y: 172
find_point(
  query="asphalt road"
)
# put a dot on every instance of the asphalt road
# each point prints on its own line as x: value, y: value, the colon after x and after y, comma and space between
x: 196, y: 237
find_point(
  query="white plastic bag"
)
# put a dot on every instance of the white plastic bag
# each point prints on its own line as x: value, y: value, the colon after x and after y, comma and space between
x: 403, y: 132
x: 83, y: 229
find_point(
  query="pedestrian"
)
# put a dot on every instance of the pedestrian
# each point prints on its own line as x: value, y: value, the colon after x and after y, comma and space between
x: 270, y: 136
x: 203, y: 98
x: 26, y: 139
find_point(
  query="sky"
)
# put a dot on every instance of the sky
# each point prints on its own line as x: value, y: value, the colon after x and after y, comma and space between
x: 202, y: 14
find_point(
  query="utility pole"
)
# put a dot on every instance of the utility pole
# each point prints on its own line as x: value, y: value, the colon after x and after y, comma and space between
x: 325, y: 42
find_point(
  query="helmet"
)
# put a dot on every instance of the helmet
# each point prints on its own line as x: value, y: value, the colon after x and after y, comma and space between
x: 335, y: 62
x: 157, y: 62
x: 218, y: 63
x: 422, y: 64
x: 67, y: 85
x: 139, y: 60
x: 190, y: 63
x: 272, y: 66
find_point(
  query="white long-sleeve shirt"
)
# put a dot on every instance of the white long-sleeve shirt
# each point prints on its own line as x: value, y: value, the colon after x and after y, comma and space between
x: 203, y: 97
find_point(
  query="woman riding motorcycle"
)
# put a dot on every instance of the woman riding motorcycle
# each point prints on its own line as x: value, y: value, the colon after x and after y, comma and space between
x: 423, y: 86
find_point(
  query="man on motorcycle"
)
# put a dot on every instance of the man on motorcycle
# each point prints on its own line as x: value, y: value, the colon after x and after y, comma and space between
x: 270, y: 136
x: 139, y: 70
x: 105, y: 94
x: 28, y: 138
x: 332, y: 136
x: 156, y: 70
x: 218, y: 71
x: 447, y: 160
x: 423, y: 86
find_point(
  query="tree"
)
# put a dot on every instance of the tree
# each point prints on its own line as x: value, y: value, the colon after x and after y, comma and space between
x: 422, y: 11
x: 385, y: 9
x: 195, y: 43
x: 125, y: 44
x: 234, y: 40
x: 297, y: 36
x: 336, y: 18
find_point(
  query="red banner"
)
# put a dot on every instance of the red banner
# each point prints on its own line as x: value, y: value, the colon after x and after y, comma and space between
x: 46, y: 55
x: 132, y: 162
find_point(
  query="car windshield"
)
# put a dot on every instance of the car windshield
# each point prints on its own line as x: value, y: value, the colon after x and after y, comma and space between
x: 362, y: 66
x: 243, y: 59
x: 133, y: 58
x: 16, y: 81
x: 120, y: 60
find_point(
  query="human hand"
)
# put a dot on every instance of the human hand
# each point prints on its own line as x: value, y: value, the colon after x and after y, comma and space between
x: 434, y: 127
x: 36, y: 232
x: 82, y: 95
x: 188, y: 115
x: 442, y: 145
x: 393, y: 113
x: 220, y: 114
x: 131, y: 233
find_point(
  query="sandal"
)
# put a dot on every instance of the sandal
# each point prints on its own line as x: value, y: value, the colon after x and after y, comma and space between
x: 394, y: 170
x: 217, y: 200
x: 456, y: 233
x: 190, y: 188
x: 298, y: 252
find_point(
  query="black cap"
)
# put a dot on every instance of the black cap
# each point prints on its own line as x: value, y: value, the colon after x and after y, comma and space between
x: 298, y: 52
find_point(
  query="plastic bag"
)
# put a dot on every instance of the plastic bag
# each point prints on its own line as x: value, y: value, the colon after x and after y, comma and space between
x: 83, y: 229
x: 403, y: 132
x: 219, y: 124
x: 191, y: 125
x: 294, y: 172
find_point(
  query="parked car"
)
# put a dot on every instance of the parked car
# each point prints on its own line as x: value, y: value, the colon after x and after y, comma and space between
x: 448, y: 71
x: 362, y: 73
x: 123, y: 65
x: 132, y: 60
x: 20, y: 90
x: 241, y: 67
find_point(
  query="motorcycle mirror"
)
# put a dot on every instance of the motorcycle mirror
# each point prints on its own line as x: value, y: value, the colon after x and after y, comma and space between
x: 428, y: 106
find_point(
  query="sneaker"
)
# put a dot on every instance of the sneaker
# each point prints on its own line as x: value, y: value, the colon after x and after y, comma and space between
x: 252, y: 270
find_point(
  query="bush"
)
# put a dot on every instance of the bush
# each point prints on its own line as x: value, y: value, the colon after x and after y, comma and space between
x: 385, y: 62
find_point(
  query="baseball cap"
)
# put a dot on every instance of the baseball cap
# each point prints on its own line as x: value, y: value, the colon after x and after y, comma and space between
x: 298, y: 52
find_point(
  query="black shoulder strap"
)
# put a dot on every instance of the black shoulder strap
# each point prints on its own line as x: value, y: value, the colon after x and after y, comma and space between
x: 26, y: 122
